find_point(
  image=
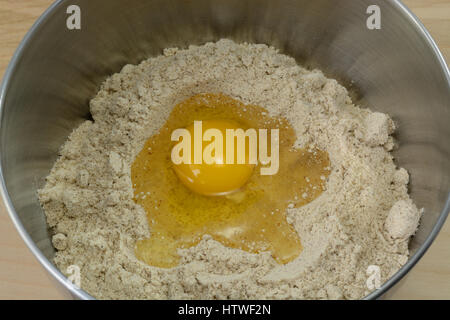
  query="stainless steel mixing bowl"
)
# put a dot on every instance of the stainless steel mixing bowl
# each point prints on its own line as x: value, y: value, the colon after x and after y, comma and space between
x: 397, y: 69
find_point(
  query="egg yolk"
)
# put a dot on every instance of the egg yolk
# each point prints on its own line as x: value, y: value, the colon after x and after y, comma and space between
x: 217, y: 178
x: 233, y: 204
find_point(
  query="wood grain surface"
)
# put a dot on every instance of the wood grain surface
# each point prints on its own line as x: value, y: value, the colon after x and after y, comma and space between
x: 21, y: 276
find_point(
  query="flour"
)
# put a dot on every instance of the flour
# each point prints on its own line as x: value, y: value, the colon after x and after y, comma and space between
x: 365, y: 216
x: 403, y: 219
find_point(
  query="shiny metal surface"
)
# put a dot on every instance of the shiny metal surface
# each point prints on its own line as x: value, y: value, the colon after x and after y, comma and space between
x: 55, y: 72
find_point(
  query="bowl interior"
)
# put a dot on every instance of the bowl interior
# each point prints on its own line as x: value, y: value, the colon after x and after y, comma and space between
x: 56, y: 71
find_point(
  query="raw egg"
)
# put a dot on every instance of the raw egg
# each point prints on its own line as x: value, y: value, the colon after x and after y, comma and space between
x: 234, y: 203
x: 217, y: 178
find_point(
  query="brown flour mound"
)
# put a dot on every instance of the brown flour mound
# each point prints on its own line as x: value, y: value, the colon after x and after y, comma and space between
x: 365, y: 216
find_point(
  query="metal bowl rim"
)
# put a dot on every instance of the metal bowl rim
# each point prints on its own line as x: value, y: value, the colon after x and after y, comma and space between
x: 81, y: 294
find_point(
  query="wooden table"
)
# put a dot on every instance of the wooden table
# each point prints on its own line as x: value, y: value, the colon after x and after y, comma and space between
x: 21, y: 276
